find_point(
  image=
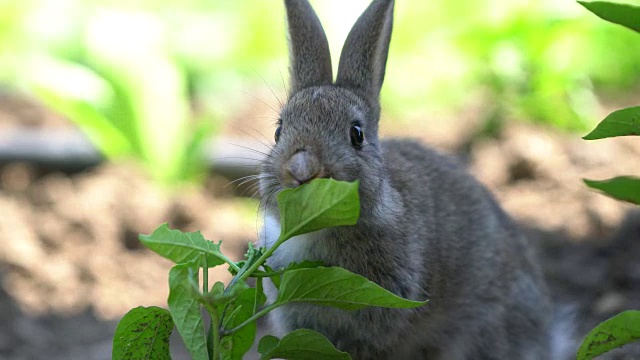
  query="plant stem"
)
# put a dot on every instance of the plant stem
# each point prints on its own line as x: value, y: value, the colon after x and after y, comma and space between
x: 241, y: 271
x: 215, y: 327
x: 262, y: 274
x: 253, y: 318
x: 229, y: 262
x: 243, y: 275
x: 205, y: 274
x: 247, y: 273
x: 211, y: 343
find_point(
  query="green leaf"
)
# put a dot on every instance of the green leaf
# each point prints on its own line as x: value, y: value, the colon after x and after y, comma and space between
x: 143, y: 333
x: 149, y: 82
x: 217, y: 289
x: 301, y: 344
x: 181, y: 247
x: 80, y: 94
x: 621, y: 14
x: 610, y: 334
x: 109, y: 141
x: 193, y: 159
x: 223, y: 298
x: 317, y: 205
x: 234, y: 346
x: 625, y: 188
x: 274, y: 279
x: 337, y: 287
x: 624, y: 122
x: 277, y: 277
x: 267, y: 343
x: 261, y: 298
x: 184, y: 304
x: 307, y: 264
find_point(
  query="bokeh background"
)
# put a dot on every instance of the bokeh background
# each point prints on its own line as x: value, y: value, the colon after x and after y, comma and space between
x: 117, y: 116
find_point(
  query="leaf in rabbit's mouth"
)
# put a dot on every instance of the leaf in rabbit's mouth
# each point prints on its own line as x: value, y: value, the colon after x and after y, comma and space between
x: 319, y: 204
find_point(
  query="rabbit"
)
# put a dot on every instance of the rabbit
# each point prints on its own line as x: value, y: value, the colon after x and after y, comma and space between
x: 427, y: 228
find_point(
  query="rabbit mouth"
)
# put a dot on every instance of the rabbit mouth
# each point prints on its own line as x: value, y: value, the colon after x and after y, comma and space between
x: 301, y: 168
x: 293, y: 181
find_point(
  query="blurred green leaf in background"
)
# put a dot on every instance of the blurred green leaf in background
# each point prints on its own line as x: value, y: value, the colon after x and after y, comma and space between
x: 154, y: 79
x: 544, y: 61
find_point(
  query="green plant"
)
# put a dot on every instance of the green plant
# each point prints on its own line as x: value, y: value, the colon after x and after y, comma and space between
x: 610, y: 334
x: 537, y: 61
x: 624, y: 327
x: 624, y: 122
x: 523, y: 60
x: 144, y: 332
x: 131, y: 100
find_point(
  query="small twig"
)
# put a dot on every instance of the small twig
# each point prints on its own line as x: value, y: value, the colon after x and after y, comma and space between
x: 253, y: 318
x: 205, y: 274
x: 229, y: 262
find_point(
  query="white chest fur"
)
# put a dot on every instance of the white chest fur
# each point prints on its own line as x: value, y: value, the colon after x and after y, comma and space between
x: 296, y: 249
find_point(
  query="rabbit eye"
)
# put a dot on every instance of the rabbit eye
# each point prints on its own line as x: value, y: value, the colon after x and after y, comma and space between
x: 357, y: 136
x: 276, y: 136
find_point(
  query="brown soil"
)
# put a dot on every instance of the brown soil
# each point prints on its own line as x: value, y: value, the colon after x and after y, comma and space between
x: 71, y: 265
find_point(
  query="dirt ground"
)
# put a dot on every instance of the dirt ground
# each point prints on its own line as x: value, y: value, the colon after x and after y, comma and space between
x: 71, y: 265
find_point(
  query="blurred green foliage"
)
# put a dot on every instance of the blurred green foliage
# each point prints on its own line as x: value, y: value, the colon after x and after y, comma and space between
x: 623, y: 328
x: 135, y: 74
x: 623, y: 122
x: 143, y: 79
x: 542, y: 61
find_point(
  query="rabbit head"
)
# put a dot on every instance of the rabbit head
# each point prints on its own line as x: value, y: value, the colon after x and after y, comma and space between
x: 326, y: 128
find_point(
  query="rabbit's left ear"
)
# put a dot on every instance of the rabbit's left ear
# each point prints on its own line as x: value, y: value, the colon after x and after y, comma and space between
x: 364, y: 55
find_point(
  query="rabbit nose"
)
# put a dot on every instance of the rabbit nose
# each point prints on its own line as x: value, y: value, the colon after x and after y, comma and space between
x: 302, y: 167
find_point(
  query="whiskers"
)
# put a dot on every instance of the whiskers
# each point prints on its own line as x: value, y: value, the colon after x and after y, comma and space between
x: 242, y: 155
x: 270, y: 188
x: 260, y: 170
x: 270, y: 88
x: 250, y: 158
x: 251, y: 183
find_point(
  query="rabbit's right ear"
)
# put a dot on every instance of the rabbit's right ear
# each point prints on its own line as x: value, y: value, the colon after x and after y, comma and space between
x: 364, y: 55
x: 310, y: 60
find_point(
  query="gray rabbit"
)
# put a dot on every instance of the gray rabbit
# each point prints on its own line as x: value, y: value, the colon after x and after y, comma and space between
x: 427, y: 229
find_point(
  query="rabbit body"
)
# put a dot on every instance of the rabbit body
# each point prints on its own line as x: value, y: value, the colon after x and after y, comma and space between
x: 427, y: 229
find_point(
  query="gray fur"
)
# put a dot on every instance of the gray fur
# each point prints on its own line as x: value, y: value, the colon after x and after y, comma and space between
x: 308, y: 47
x: 364, y: 55
x: 427, y: 229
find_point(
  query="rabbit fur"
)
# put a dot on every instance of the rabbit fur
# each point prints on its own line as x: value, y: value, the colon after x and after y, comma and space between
x: 427, y: 229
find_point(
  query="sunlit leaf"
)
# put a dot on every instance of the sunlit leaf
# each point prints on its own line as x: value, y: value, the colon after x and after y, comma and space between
x: 622, y: 14
x: 317, y: 205
x: 80, y: 95
x: 181, y: 247
x: 128, y: 49
x: 300, y: 344
x: 625, y: 188
x: 193, y: 159
x: 143, y: 333
x: 624, y: 122
x: 610, y: 334
x: 337, y: 287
